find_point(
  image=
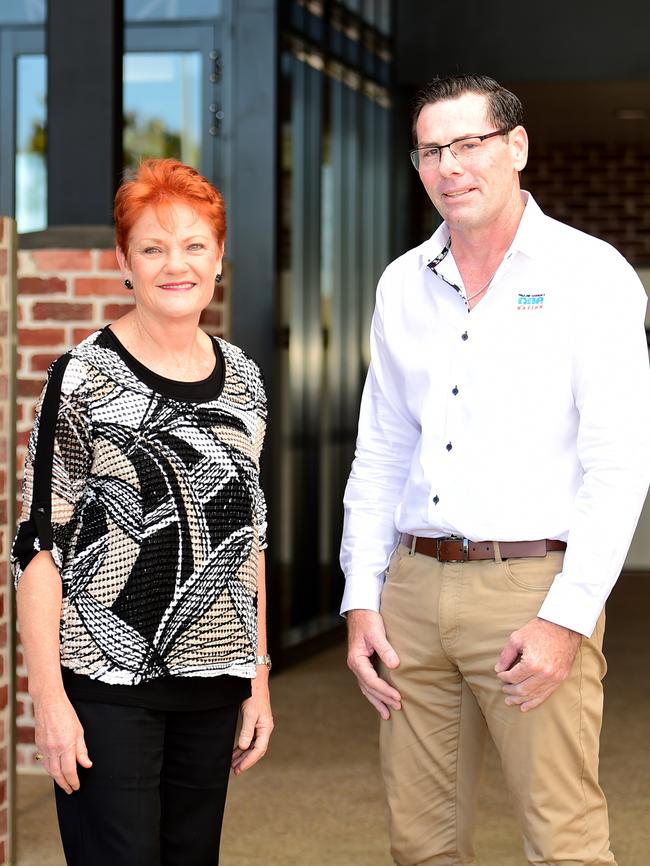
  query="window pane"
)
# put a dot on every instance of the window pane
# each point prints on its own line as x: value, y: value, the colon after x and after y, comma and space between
x: 161, y: 10
x: 22, y: 11
x: 31, y: 177
x: 162, y: 92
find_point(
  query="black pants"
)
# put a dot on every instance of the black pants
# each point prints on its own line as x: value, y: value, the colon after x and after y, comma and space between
x: 156, y: 792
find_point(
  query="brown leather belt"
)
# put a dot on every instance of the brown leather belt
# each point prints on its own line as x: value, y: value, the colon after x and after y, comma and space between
x: 452, y: 549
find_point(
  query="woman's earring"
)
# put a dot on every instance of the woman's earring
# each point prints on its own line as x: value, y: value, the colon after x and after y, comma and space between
x: 129, y: 285
x: 218, y: 278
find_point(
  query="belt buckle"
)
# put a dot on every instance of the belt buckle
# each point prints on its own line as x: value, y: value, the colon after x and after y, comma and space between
x: 454, y: 538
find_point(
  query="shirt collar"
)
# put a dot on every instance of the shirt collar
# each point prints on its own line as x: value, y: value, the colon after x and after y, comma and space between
x: 528, y: 239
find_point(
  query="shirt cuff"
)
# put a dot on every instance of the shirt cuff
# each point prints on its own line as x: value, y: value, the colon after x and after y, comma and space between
x: 572, y: 606
x: 362, y: 593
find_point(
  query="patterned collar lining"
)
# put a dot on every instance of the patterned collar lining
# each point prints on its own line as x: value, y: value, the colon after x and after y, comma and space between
x: 433, y: 264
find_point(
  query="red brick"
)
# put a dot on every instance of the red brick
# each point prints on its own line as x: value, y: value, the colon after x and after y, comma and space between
x: 24, y: 734
x: 22, y: 437
x: 40, y: 363
x: 22, y: 683
x: 79, y: 334
x: 2, y: 232
x: 4, y: 323
x: 62, y: 260
x: 29, y: 387
x: 115, y: 311
x: 4, y: 689
x: 3, y: 511
x: 62, y: 311
x: 3, y: 262
x: 3, y: 852
x: 3, y: 823
x: 3, y: 794
x: 40, y: 336
x: 106, y: 261
x: 39, y: 286
x: 99, y: 286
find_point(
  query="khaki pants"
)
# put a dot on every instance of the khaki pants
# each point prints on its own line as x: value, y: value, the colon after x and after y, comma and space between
x: 448, y: 623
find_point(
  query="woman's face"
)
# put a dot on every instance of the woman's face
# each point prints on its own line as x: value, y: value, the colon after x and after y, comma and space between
x: 172, y: 266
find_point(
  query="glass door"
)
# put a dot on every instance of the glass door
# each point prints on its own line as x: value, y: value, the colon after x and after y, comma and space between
x: 173, y: 105
x: 23, y: 108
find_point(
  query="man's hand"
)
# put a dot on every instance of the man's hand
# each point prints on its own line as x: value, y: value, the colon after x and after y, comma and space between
x: 535, y: 661
x: 367, y: 636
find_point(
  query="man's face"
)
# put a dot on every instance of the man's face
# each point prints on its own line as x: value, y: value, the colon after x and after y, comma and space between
x: 475, y: 191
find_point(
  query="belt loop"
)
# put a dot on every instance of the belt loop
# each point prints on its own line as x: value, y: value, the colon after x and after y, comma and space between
x: 497, y: 551
x: 414, y: 541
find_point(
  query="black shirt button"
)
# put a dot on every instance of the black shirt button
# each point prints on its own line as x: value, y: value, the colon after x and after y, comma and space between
x: 448, y: 446
x: 464, y: 336
x: 436, y: 499
x: 454, y: 390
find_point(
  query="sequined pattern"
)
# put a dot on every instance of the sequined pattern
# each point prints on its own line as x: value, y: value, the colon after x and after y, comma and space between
x: 152, y: 508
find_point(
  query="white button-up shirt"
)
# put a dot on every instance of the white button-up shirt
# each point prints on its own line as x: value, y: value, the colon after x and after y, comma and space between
x: 527, y: 418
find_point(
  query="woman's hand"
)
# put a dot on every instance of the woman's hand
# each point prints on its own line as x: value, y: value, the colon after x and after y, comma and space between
x: 60, y: 739
x: 257, y: 724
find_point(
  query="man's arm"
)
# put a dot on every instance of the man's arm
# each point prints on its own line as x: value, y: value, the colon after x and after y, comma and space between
x: 387, y: 438
x: 611, y: 386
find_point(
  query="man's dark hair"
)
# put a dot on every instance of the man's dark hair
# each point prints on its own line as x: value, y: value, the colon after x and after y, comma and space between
x: 504, y: 109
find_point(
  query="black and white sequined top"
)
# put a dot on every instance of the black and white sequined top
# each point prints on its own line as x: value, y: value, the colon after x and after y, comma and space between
x: 147, y: 492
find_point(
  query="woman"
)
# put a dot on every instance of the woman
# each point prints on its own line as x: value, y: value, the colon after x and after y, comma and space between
x: 139, y: 556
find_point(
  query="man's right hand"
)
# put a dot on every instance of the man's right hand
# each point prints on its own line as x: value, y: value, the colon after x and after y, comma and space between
x: 367, y: 636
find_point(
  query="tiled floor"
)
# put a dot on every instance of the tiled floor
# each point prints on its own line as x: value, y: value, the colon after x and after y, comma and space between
x: 316, y: 799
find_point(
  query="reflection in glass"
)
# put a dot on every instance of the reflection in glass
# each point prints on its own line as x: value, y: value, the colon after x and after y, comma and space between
x: 31, y: 169
x: 162, y: 106
x: 22, y: 11
x: 160, y: 10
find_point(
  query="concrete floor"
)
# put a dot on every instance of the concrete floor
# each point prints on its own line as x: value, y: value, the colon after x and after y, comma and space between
x: 316, y: 799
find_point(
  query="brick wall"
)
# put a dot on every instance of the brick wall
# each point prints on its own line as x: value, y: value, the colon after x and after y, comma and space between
x: 64, y: 295
x: 602, y: 189
x: 7, y: 762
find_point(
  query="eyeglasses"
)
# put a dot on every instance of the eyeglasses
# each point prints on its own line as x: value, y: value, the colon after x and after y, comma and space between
x: 464, y: 150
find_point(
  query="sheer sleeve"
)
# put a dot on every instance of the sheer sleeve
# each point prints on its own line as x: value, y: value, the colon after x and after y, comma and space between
x: 259, y: 503
x: 59, y: 457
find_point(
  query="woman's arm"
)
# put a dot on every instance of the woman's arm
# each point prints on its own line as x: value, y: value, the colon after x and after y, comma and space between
x: 257, y: 719
x: 59, y: 735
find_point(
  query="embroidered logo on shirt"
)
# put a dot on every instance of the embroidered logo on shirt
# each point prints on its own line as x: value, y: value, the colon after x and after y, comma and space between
x: 530, y: 302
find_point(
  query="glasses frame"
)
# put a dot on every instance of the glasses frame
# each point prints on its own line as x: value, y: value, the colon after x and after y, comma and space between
x: 414, y: 154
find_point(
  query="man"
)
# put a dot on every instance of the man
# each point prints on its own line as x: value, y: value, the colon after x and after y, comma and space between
x: 501, y: 465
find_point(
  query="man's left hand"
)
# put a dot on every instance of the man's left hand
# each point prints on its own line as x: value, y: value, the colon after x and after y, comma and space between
x: 535, y: 661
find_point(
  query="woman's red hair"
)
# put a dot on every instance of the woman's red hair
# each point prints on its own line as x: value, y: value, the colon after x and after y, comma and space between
x: 160, y: 183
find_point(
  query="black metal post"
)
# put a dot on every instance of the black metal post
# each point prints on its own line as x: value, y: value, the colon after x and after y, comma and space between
x: 84, y: 153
